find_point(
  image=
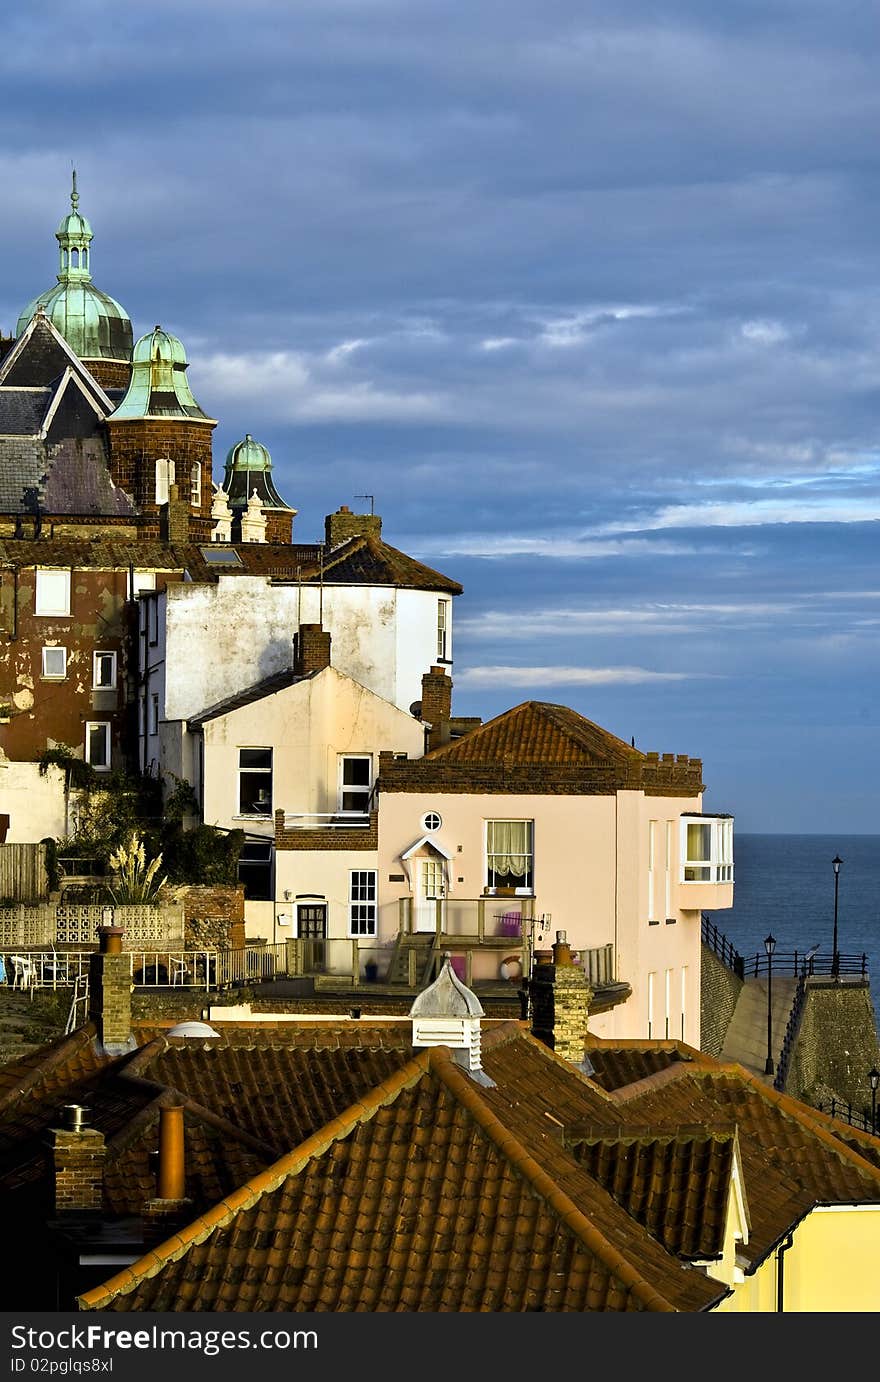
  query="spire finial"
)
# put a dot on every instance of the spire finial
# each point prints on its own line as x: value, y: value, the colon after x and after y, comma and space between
x: 74, y: 195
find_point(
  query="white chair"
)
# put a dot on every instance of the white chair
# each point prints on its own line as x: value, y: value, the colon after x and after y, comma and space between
x: 24, y: 974
x: 179, y: 971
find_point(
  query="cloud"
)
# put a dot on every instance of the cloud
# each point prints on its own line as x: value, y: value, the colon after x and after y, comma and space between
x: 754, y: 513
x: 503, y: 676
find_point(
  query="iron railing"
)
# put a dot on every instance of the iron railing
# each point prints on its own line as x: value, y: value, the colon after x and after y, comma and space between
x: 718, y: 943
x: 847, y: 1113
x: 791, y: 1031
x: 153, y: 968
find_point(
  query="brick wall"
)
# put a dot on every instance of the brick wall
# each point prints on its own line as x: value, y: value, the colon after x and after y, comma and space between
x: 213, y: 916
x: 329, y: 836
x: 135, y: 447
x: 110, y: 374
x: 674, y: 775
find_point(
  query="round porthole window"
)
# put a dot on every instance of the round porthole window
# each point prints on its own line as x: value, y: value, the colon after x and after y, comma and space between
x: 431, y: 821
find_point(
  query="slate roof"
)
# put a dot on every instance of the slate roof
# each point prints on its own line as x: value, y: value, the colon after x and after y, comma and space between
x: 366, y: 559
x: 22, y: 411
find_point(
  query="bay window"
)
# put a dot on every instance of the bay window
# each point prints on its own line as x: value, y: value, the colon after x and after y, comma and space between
x: 707, y: 849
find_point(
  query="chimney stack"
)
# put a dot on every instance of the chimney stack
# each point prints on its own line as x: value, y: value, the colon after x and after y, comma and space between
x: 343, y: 524
x: 437, y: 706
x: 174, y: 525
x: 79, y: 1153
x: 110, y: 992
x: 311, y: 649
x: 559, y: 997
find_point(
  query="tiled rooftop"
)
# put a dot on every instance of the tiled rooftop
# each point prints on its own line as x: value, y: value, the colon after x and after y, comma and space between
x: 333, y: 1167
x: 539, y: 732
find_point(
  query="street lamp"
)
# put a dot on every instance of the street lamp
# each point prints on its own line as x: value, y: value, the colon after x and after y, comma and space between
x: 769, y: 946
x: 835, y: 958
x: 874, y: 1077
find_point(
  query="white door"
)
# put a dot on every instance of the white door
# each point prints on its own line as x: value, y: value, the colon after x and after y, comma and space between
x: 431, y: 885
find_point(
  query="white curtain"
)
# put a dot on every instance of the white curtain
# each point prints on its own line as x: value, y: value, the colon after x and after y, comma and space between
x: 509, y: 847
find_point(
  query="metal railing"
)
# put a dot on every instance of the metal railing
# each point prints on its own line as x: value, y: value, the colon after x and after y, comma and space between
x: 718, y: 943
x: 153, y: 968
x: 794, y: 964
x: 791, y: 1032
x: 840, y: 1108
x: 789, y: 964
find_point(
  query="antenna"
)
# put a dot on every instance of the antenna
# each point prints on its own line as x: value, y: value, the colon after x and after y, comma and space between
x: 371, y: 498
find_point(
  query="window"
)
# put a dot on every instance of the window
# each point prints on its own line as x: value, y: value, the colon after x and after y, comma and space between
x: 142, y: 580
x: 164, y: 479
x: 103, y: 671
x: 154, y: 712
x: 443, y: 630
x: 255, y: 870
x: 355, y: 782
x: 195, y: 485
x: 652, y: 842
x: 255, y: 782
x: 54, y: 664
x: 53, y: 592
x: 432, y: 820
x: 707, y: 849
x: 509, y: 862
x: 98, y: 744
x: 362, y: 906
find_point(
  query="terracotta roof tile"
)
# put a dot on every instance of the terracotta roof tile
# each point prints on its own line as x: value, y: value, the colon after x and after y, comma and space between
x: 539, y: 732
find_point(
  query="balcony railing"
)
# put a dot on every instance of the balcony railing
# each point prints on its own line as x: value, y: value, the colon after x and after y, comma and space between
x: 483, y: 920
x: 323, y: 820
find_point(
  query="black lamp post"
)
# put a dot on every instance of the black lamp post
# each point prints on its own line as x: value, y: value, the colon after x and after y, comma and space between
x: 874, y: 1077
x: 835, y: 958
x: 769, y: 946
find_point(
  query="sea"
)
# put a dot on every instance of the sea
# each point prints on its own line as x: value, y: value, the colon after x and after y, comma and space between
x: 784, y: 885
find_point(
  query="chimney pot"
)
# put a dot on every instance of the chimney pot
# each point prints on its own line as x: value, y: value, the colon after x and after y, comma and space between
x: 172, y: 1168
x: 75, y: 1117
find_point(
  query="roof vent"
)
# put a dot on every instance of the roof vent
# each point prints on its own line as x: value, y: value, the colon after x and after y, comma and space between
x: 447, y: 1013
x: 193, y: 1029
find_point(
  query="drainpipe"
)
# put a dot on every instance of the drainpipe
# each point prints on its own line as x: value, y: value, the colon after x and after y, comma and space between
x: 780, y: 1273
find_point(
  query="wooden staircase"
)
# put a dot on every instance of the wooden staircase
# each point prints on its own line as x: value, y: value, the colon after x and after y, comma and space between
x: 415, y: 960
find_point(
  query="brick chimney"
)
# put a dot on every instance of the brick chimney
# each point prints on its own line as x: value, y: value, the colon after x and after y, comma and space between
x: 559, y: 998
x: 311, y: 649
x: 79, y: 1153
x: 174, y: 519
x: 343, y: 524
x: 437, y: 706
x: 110, y: 992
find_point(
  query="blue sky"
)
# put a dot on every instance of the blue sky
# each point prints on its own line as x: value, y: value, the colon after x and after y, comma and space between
x: 585, y: 295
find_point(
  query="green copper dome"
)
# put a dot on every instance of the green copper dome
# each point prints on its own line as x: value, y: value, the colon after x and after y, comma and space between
x: 159, y: 387
x: 93, y: 324
x: 249, y: 471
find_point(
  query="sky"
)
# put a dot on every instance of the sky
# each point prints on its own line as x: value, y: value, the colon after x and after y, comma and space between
x: 582, y: 298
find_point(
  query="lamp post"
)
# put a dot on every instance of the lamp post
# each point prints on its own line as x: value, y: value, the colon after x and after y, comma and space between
x: 874, y: 1077
x: 835, y: 958
x: 769, y: 946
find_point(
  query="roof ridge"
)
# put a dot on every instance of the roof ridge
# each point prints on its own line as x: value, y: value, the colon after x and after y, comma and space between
x: 67, y: 1046
x: 794, y: 1109
x: 575, y: 1220
x: 265, y: 1181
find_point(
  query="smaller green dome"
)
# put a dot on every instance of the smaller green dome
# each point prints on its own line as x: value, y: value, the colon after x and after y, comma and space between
x: 248, y: 472
x: 248, y: 455
x: 159, y: 387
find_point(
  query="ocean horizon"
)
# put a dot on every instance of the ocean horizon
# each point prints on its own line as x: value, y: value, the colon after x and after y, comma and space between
x: 784, y: 886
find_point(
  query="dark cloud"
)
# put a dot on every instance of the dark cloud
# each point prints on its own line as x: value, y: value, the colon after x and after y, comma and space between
x: 585, y: 294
